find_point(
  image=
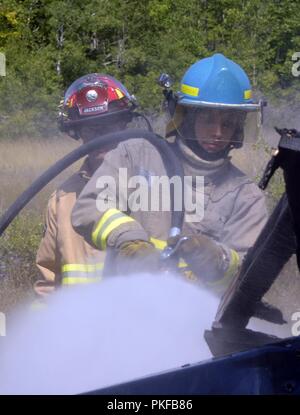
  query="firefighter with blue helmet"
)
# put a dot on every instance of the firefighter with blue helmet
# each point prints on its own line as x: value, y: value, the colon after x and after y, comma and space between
x: 212, y: 113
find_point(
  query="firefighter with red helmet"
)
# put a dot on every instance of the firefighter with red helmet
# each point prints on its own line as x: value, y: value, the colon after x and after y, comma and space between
x: 93, y: 105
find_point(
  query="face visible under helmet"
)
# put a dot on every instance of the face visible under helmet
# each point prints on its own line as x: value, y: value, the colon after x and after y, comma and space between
x: 220, y: 84
x: 93, y: 99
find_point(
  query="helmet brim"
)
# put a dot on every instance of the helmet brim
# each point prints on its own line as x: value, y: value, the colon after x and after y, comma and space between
x: 66, y: 125
x: 218, y: 105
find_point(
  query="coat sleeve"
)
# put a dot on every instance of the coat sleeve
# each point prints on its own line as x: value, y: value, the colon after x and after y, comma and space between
x: 48, y: 258
x: 101, y: 213
x: 248, y: 218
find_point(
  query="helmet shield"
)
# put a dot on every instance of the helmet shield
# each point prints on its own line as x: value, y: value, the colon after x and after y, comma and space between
x: 209, y: 125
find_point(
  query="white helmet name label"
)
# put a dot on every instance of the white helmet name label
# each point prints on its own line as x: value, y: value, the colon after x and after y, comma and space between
x: 95, y: 109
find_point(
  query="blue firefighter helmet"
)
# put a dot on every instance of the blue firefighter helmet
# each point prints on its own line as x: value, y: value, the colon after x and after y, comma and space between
x: 214, y: 82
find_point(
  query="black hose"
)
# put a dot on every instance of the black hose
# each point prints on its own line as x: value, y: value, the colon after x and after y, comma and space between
x: 172, y: 165
x: 139, y: 114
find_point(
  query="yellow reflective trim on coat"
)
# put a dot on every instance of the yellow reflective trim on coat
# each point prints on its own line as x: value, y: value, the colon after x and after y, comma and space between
x: 247, y: 94
x: 107, y: 224
x: 107, y: 215
x: 115, y: 224
x: 82, y: 267
x: 79, y: 280
x: 190, y: 90
x: 234, y: 262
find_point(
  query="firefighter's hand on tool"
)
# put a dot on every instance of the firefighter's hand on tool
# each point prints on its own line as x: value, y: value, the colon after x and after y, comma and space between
x: 137, y: 256
x: 203, y: 255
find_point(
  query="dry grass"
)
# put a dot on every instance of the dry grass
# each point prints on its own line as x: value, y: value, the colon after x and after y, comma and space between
x: 21, y: 162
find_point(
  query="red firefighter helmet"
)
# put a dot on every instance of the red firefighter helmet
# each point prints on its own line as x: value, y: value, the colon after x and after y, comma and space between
x: 92, y: 99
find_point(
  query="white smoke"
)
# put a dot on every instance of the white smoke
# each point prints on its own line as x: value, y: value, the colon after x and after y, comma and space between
x: 95, y: 336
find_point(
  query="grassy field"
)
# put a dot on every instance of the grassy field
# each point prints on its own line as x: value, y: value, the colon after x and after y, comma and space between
x: 21, y: 162
x: 24, y: 160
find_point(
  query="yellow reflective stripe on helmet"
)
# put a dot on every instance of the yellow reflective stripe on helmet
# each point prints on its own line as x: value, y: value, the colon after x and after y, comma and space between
x: 111, y: 220
x: 247, y: 94
x: 119, y: 93
x: 79, y: 280
x: 190, y: 90
x: 82, y: 267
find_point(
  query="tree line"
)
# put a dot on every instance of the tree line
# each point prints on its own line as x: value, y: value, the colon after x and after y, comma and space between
x: 50, y: 43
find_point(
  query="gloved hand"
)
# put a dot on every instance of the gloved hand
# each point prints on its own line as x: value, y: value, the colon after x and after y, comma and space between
x: 137, y: 256
x: 205, y: 258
